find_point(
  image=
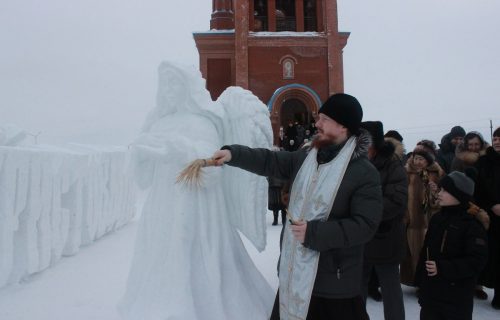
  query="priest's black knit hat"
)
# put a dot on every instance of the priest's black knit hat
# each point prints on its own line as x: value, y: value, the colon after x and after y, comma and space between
x: 345, y: 110
x: 458, y: 185
x: 376, y: 130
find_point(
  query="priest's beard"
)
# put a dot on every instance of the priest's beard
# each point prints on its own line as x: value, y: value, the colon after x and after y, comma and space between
x: 320, y: 143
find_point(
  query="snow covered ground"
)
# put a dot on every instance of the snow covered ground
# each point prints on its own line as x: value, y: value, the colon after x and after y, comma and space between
x: 87, y: 286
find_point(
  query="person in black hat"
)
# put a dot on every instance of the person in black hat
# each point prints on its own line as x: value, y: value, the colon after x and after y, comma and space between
x: 394, y: 134
x: 454, y: 253
x: 384, y: 252
x: 397, y: 140
x: 448, y: 144
x: 334, y: 210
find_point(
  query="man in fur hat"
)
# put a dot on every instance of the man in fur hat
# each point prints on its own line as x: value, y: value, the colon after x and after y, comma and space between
x: 335, y: 208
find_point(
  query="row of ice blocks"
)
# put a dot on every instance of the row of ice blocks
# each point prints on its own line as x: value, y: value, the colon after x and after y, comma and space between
x: 55, y: 200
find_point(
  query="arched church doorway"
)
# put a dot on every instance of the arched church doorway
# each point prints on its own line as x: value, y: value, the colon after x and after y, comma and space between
x: 295, y: 111
x: 296, y: 104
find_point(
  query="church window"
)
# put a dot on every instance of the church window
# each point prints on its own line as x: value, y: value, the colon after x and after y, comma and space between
x: 285, y: 15
x: 310, y: 20
x: 260, y: 15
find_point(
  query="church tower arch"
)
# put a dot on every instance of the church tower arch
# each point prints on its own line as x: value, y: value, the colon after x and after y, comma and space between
x: 294, y: 102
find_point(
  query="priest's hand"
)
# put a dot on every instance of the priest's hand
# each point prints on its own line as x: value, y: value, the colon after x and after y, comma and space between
x: 299, y: 230
x: 222, y: 156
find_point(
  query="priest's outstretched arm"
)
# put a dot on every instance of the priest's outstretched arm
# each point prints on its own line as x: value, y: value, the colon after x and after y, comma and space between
x: 278, y: 164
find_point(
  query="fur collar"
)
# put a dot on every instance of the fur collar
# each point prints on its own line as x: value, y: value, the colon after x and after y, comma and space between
x: 399, y: 147
x: 469, y: 157
x: 363, y: 143
x: 435, y: 167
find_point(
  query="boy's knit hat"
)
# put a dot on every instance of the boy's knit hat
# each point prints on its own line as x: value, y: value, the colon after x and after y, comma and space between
x: 458, y: 185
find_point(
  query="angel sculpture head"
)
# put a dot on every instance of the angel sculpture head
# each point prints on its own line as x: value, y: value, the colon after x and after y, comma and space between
x: 180, y: 89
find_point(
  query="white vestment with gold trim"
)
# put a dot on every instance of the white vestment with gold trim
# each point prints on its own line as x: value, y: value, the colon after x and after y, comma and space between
x: 313, y: 193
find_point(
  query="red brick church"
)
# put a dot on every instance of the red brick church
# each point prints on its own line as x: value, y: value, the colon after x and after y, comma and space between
x: 287, y: 52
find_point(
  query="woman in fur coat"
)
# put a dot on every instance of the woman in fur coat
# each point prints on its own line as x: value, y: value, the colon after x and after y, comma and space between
x: 423, y: 176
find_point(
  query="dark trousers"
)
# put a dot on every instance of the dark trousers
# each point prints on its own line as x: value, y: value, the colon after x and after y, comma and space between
x: 392, y: 295
x: 430, y: 313
x: 283, y: 216
x: 330, y: 309
x: 373, y: 284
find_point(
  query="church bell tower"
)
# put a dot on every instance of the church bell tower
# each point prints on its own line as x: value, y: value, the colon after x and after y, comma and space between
x: 287, y: 52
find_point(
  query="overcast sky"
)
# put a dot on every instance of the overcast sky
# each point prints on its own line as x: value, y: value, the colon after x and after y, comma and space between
x: 85, y: 71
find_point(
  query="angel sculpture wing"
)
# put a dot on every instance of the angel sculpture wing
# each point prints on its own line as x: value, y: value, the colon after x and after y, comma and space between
x: 247, y: 122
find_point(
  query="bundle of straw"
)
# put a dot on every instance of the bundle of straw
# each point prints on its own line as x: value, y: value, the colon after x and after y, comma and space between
x: 192, y: 175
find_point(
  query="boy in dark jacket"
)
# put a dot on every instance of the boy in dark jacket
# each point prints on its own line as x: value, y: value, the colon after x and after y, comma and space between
x: 454, y: 253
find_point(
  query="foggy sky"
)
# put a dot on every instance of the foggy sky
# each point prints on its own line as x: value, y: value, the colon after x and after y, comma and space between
x: 85, y: 71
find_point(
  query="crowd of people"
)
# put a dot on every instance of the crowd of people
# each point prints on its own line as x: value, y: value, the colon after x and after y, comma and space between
x: 295, y: 135
x: 439, y: 230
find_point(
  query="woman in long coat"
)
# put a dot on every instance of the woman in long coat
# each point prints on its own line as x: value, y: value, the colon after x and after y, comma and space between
x: 423, y: 176
x: 487, y: 194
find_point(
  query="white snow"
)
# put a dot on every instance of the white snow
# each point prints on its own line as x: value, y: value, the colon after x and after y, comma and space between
x: 88, y: 285
x: 55, y: 200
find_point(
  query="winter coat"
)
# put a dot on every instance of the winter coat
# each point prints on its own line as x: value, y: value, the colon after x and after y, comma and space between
x: 421, y: 206
x: 353, y: 220
x: 274, y: 194
x: 446, y: 153
x: 487, y: 194
x: 465, y: 158
x: 458, y: 244
x: 387, y: 246
x: 291, y: 133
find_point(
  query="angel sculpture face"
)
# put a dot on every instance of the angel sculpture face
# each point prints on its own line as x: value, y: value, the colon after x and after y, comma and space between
x: 172, y: 92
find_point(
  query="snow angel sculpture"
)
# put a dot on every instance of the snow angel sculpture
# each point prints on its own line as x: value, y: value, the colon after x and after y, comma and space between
x: 189, y: 260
